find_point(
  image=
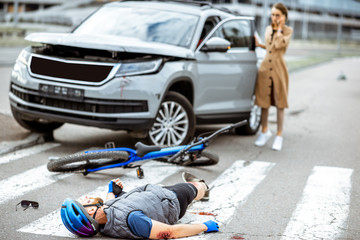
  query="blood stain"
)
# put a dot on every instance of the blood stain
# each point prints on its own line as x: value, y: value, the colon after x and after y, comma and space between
x: 237, y: 237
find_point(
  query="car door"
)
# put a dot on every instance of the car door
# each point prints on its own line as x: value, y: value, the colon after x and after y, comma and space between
x: 226, y: 80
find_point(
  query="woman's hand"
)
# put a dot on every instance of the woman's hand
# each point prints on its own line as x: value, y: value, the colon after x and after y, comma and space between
x: 257, y: 44
x: 281, y: 23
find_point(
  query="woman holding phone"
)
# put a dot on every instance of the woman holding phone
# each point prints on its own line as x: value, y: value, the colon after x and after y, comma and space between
x: 273, y: 79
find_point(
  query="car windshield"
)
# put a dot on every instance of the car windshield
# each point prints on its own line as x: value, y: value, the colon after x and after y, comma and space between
x: 150, y: 25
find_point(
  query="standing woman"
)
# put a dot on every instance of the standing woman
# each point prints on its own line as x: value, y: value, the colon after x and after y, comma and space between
x: 273, y: 79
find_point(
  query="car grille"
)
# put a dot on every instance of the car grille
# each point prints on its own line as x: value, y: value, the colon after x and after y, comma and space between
x: 70, y: 70
x: 86, y: 105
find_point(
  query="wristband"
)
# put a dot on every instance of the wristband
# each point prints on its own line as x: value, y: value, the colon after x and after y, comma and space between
x: 111, y: 187
x: 212, y: 226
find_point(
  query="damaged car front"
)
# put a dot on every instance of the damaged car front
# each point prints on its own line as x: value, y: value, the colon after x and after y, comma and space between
x: 109, y: 72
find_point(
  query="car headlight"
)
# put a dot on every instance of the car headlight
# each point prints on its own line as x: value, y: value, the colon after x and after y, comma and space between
x: 24, y: 56
x: 136, y: 68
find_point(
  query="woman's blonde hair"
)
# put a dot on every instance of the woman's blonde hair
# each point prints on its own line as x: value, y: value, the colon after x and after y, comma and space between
x: 282, y: 9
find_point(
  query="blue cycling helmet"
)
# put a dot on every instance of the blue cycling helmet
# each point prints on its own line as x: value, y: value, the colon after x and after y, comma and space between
x: 77, y: 220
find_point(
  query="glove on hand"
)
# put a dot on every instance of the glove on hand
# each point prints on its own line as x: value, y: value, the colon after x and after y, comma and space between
x: 212, y: 226
x: 114, y: 188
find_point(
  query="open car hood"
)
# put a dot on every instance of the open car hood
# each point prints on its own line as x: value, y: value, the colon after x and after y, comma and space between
x: 110, y: 43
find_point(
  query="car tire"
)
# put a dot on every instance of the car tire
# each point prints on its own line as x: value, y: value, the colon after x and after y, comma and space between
x: 175, y: 122
x: 253, y: 121
x: 39, y: 126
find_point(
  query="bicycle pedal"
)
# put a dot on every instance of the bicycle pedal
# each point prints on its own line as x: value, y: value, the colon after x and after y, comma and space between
x: 140, y: 172
x: 110, y: 145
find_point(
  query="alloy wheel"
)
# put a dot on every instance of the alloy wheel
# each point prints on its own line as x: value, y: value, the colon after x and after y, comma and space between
x: 171, y: 125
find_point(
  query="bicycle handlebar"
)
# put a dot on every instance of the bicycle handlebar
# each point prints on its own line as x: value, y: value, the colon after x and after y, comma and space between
x: 207, y: 139
x: 239, y: 124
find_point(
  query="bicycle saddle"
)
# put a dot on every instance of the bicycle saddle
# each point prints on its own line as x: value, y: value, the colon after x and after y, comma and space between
x: 142, y: 149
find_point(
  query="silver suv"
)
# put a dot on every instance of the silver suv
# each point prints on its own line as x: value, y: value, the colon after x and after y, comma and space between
x: 155, y: 69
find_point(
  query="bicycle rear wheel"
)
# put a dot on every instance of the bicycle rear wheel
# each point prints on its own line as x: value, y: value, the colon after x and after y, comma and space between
x: 207, y: 158
x: 79, y: 162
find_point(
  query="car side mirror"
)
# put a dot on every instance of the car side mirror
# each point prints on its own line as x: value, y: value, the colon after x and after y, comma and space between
x: 216, y: 44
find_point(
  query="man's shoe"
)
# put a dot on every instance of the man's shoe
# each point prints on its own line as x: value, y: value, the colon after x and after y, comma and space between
x: 277, y: 145
x: 263, y: 138
x: 187, y: 177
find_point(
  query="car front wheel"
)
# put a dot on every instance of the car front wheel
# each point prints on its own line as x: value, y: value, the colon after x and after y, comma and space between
x: 175, y: 122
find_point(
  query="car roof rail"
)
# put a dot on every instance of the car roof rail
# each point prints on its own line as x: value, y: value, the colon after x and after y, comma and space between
x: 201, y: 3
x: 197, y: 3
x: 205, y: 5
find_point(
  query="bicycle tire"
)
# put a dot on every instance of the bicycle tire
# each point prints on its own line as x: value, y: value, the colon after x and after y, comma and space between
x: 79, y: 162
x: 207, y: 158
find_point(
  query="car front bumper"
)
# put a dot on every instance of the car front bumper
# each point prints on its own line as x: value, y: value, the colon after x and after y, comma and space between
x: 125, y: 103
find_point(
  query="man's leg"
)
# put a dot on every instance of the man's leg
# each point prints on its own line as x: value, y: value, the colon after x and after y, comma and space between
x: 186, y: 193
x: 201, y: 187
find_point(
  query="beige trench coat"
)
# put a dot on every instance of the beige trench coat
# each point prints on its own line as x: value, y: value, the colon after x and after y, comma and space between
x: 273, y: 71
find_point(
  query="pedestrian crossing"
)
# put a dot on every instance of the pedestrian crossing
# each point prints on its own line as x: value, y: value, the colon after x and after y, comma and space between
x: 321, y: 212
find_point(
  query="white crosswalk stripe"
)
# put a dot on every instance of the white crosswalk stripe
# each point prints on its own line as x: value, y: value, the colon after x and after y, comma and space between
x: 323, y: 210
x: 27, y: 181
x: 51, y: 224
x: 27, y: 151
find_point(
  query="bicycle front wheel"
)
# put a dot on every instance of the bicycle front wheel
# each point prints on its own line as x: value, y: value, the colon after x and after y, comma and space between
x: 79, y: 162
x: 207, y: 158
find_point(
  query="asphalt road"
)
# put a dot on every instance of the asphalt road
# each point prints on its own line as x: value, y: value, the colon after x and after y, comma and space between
x: 309, y: 190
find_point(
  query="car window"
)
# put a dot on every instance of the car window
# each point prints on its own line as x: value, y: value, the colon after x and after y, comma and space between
x: 150, y: 25
x: 237, y: 32
x: 210, y: 23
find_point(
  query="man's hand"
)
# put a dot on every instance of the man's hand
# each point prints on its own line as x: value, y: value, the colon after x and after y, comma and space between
x: 212, y: 226
x: 115, y: 186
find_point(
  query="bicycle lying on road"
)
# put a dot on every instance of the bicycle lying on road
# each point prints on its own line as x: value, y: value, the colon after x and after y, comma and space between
x: 193, y: 154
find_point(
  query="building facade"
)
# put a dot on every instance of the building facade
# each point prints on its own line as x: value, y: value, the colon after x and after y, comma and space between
x: 311, y: 19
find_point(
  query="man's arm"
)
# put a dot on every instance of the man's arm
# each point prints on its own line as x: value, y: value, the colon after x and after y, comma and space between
x: 164, y: 231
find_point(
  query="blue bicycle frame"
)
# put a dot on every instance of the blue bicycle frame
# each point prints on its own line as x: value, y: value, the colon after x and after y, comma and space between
x: 133, y: 157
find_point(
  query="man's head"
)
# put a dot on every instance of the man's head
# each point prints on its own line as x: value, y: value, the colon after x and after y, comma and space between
x: 90, y: 204
x: 76, y: 217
